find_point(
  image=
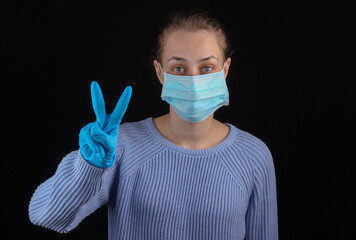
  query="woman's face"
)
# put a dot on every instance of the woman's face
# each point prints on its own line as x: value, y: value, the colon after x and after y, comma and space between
x: 191, y: 53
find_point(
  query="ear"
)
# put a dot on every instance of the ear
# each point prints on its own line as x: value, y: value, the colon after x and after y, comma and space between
x: 159, y: 72
x: 227, y: 66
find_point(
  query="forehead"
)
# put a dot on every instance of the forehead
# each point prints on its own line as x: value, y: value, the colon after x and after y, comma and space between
x: 191, y: 44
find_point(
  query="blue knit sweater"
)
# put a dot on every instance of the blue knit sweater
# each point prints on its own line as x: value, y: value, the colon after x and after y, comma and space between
x: 160, y: 191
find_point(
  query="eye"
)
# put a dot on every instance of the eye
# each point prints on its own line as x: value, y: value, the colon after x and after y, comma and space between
x: 206, y: 69
x: 178, y: 69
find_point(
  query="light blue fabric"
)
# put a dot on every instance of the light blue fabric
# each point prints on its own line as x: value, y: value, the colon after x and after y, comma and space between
x: 97, y: 140
x: 194, y: 98
x: 161, y: 191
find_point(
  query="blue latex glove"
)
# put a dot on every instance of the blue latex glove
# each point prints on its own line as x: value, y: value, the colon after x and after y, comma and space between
x: 97, y: 140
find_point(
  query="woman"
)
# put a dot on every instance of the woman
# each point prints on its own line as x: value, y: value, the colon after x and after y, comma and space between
x: 183, y: 175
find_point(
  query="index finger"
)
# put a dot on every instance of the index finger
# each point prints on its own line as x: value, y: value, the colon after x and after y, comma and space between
x: 121, y: 106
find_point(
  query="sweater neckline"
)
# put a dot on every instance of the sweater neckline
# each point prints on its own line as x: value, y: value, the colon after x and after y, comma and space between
x: 206, y: 151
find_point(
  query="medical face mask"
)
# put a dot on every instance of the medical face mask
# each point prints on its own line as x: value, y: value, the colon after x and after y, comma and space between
x: 194, y: 98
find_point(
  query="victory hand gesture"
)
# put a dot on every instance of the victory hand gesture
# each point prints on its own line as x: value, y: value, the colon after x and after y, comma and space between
x: 97, y: 140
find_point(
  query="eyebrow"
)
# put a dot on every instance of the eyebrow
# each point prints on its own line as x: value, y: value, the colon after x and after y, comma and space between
x: 185, y: 60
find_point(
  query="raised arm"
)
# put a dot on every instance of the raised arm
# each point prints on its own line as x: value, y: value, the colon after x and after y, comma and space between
x: 82, y: 181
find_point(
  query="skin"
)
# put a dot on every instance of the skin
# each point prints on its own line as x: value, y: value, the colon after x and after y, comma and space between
x: 191, y: 53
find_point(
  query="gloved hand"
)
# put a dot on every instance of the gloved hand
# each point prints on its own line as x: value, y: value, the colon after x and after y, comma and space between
x: 97, y: 140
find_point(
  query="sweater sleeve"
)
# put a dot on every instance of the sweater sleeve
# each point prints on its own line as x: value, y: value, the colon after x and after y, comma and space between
x: 261, y: 217
x: 76, y: 190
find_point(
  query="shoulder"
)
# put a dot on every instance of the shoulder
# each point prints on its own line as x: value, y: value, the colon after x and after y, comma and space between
x: 138, y: 137
x: 132, y: 135
x: 137, y: 126
x: 248, y: 142
x: 131, y: 131
x: 257, y: 157
x: 136, y: 146
x: 252, y: 147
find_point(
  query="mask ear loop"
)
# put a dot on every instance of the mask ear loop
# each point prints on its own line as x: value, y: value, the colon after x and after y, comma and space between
x: 223, y: 68
x: 160, y: 67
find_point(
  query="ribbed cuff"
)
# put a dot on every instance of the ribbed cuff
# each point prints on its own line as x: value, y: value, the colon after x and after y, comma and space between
x: 86, y: 169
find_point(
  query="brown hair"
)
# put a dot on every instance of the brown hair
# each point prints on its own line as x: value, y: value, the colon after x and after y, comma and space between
x: 192, y: 20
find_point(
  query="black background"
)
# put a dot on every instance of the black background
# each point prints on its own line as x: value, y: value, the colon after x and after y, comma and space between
x: 291, y: 84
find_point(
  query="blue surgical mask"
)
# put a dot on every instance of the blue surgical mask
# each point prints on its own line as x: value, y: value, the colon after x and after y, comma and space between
x: 194, y: 98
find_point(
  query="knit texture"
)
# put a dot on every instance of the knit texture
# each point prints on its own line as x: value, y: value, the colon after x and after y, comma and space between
x: 158, y: 190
